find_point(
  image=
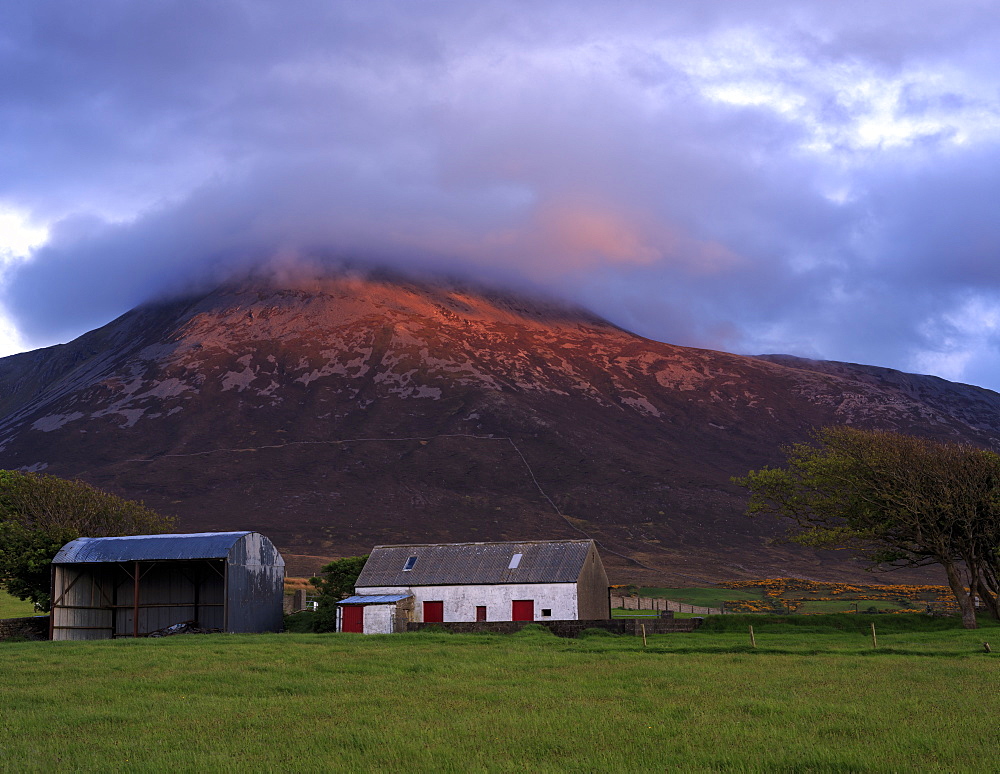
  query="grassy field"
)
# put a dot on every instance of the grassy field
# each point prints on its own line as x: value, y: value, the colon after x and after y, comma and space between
x: 814, y: 696
x: 703, y: 597
x: 795, y: 595
x: 846, y: 606
x: 11, y: 607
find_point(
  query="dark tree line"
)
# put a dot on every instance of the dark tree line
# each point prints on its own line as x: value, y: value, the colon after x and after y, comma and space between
x: 901, y: 501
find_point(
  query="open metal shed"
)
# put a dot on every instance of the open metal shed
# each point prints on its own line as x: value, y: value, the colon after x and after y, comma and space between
x: 135, y: 585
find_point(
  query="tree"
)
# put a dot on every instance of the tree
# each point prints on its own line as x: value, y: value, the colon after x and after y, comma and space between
x: 337, y: 581
x: 39, y: 514
x: 901, y: 501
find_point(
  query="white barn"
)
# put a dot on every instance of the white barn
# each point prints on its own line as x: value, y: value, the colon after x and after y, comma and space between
x: 540, y: 580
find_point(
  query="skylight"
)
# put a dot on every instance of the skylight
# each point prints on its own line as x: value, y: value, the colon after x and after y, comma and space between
x: 515, y: 560
x: 409, y: 564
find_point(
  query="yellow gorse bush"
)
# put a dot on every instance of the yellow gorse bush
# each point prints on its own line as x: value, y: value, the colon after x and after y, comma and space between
x: 791, y: 593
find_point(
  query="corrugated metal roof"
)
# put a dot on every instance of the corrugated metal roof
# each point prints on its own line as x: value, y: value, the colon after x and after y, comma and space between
x: 374, y: 599
x: 448, y: 564
x: 140, y: 548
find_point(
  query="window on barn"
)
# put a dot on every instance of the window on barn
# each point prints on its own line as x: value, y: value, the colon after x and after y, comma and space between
x: 409, y: 564
x: 546, y: 611
x: 515, y: 560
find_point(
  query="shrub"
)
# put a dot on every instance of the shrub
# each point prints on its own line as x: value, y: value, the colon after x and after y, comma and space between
x: 301, y: 622
x: 336, y: 581
x: 39, y: 514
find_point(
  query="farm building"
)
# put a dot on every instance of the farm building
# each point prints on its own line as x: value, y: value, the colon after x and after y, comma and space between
x: 135, y: 585
x: 544, y: 580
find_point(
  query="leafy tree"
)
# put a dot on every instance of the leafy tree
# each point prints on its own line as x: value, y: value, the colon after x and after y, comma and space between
x: 39, y: 514
x: 900, y: 500
x: 336, y: 582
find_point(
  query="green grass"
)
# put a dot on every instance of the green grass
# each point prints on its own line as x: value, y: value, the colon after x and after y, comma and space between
x: 862, y: 605
x: 12, y: 607
x: 802, y: 600
x: 809, y: 698
x: 915, y: 624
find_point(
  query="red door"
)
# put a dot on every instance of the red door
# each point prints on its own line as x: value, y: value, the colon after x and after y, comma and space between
x: 433, y: 612
x: 522, y: 610
x: 480, y: 612
x: 353, y: 619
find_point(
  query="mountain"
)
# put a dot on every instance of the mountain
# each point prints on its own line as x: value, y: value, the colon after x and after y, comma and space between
x: 339, y: 413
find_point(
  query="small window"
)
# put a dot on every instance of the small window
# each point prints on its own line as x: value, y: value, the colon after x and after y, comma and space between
x: 546, y: 612
x: 515, y: 560
x: 409, y: 564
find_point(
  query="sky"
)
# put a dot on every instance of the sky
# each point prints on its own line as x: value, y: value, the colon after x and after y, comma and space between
x: 814, y: 178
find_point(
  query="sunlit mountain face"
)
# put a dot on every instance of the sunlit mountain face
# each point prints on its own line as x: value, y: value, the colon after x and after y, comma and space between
x: 338, y: 413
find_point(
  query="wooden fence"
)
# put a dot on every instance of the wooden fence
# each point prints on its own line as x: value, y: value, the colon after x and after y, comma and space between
x: 653, y: 603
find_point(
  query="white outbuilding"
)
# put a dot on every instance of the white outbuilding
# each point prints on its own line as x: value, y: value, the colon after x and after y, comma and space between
x: 539, y: 580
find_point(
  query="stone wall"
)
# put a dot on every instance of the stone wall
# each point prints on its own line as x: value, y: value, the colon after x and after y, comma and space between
x: 294, y: 602
x: 565, y: 628
x: 33, y: 628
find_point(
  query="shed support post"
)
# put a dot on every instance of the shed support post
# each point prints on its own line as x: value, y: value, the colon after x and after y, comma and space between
x: 198, y: 574
x: 135, y: 603
x: 52, y: 600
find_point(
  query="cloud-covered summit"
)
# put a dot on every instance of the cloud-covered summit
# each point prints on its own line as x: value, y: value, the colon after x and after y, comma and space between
x: 812, y: 178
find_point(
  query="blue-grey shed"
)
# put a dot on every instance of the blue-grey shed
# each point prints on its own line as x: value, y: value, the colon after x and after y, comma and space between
x: 137, y: 585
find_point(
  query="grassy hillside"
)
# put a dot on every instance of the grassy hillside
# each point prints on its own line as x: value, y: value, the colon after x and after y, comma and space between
x: 794, y: 595
x: 809, y: 698
x: 11, y: 607
x: 711, y: 596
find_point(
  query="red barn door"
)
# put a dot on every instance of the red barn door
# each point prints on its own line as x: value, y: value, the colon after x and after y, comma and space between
x: 522, y: 610
x: 353, y: 619
x: 433, y: 612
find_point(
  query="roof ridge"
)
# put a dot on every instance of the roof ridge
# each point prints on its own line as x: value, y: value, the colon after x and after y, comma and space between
x: 485, y: 543
x: 169, y: 535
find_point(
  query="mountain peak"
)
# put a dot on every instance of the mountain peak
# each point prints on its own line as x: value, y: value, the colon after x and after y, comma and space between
x: 333, y: 413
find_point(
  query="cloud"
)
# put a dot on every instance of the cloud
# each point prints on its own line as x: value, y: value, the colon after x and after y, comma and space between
x: 815, y: 178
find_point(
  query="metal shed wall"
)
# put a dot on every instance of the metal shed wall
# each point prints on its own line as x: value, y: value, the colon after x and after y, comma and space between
x: 86, y: 604
x: 255, y: 580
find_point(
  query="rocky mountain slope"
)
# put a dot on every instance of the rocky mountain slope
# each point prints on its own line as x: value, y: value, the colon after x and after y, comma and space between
x: 339, y: 413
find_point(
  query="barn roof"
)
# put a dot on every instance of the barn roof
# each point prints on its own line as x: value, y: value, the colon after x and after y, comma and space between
x: 374, y: 599
x: 139, y: 548
x: 448, y: 564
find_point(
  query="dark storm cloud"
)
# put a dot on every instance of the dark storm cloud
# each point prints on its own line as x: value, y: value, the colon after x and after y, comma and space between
x: 805, y: 177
